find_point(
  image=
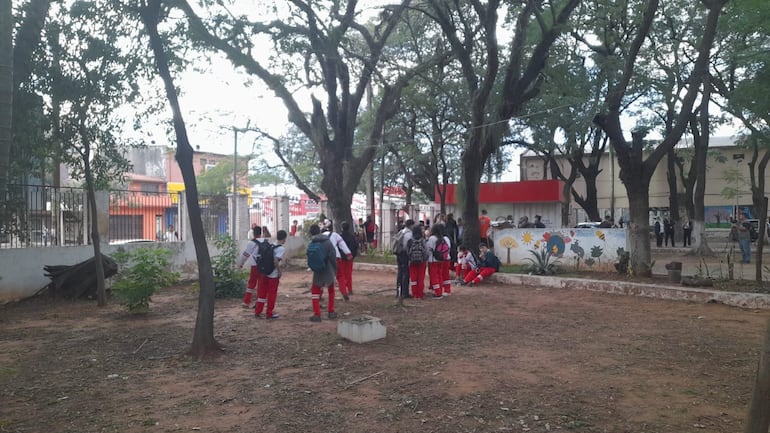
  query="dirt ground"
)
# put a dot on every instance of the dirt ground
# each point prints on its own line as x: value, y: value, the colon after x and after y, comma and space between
x: 492, y: 358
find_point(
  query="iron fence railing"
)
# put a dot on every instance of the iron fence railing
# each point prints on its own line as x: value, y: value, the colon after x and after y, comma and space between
x: 39, y: 215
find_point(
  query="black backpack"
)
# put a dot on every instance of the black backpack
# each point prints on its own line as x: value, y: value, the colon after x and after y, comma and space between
x: 266, y: 257
x: 416, y: 249
x: 352, y: 244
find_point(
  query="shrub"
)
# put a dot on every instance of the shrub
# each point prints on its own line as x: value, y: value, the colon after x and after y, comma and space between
x: 543, y: 263
x: 229, y: 282
x: 143, y: 271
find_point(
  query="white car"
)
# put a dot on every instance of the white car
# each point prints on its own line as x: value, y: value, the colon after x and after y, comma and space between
x: 588, y: 225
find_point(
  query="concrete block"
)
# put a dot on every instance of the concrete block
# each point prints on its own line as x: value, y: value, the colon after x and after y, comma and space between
x: 361, y: 329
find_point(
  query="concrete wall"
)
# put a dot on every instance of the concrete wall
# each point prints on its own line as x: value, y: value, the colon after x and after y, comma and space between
x: 22, y: 274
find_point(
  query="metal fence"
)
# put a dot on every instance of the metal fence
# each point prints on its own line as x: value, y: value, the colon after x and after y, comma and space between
x: 37, y: 215
x: 143, y: 216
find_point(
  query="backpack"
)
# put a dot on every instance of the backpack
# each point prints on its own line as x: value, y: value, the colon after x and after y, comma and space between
x: 441, y: 251
x: 316, y: 255
x: 265, y: 258
x: 352, y: 244
x: 397, y: 243
x: 416, y: 248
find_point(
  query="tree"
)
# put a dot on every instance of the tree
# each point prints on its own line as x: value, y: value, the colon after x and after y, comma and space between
x: 203, y: 343
x: 497, y: 82
x: 339, y: 58
x: 635, y: 170
x: 6, y: 91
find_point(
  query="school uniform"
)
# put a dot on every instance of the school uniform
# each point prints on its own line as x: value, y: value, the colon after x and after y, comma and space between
x: 267, y: 293
x: 435, y: 269
x: 249, y: 257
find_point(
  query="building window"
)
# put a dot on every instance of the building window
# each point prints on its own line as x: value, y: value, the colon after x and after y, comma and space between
x: 204, y: 162
x: 150, y: 187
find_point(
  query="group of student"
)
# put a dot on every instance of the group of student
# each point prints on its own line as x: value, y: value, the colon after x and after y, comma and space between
x: 417, y: 251
x: 330, y: 257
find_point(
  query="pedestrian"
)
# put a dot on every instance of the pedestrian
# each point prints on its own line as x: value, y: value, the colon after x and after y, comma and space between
x: 607, y: 223
x: 322, y: 261
x: 488, y: 265
x: 538, y: 224
x: 418, y: 257
x: 743, y: 229
x: 293, y: 229
x: 401, y: 242
x: 250, y: 234
x: 452, y: 232
x: 266, y: 233
x: 484, y: 223
x: 346, y: 262
x: 271, y: 276
x: 446, y: 264
x: 460, y: 228
x: 369, y: 229
x: 687, y: 232
x: 249, y: 256
x: 171, y: 234
x: 341, y: 250
x: 658, y: 233
x: 668, y: 231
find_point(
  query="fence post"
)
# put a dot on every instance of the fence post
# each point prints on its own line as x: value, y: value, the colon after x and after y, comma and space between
x: 242, y: 224
x: 282, y: 220
x: 103, y: 214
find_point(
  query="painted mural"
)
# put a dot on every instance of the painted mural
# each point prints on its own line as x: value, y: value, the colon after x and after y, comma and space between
x: 595, y: 249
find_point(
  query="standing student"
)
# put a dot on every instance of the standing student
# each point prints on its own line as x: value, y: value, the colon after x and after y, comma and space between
x: 268, y: 285
x: 249, y: 255
x: 658, y: 233
x: 418, y: 257
x: 435, y: 266
x: 402, y: 258
x: 346, y: 264
x: 293, y: 229
x: 341, y: 250
x: 446, y: 264
x: 668, y: 231
x: 323, y: 262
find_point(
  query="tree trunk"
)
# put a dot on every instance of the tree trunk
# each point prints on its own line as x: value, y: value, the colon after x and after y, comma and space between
x: 471, y: 181
x: 101, y: 291
x: 758, y: 419
x: 6, y: 95
x: 673, y: 193
x: 589, y: 203
x: 203, y: 344
x: 700, y: 165
x: 639, y: 227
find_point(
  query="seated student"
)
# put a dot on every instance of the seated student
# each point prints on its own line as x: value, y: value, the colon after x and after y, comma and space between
x: 465, y: 262
x: 488, y: 265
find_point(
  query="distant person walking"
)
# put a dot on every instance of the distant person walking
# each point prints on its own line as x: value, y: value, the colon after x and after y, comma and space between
x: 687, y: 232
x: 668, y: 231
x: 658, y: 233
x: 249, y: 255
x: 743, y: 229
x: 268, y: 285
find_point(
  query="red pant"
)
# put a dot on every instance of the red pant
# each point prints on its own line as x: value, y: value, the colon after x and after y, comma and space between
x: 345, y: 276
x: 315, y: 295
x: 446, y: 283
x: 417, y: 279
x: 251, y: 286
x: 435, y: 270
x: 478, y: 276
x: 460, y: 269
x: 267, y: 292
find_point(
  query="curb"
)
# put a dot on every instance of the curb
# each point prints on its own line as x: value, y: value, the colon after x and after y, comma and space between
x: 687, y: 294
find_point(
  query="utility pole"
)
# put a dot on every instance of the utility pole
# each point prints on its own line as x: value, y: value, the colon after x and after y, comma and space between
x: 233, y: 234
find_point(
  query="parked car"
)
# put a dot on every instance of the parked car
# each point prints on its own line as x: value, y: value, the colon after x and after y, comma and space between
x: 588, y: 225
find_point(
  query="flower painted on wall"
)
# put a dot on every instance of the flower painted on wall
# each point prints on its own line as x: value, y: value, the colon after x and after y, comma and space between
x: 555, y: 243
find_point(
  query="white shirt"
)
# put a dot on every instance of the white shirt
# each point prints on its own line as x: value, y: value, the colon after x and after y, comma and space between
x: 431, y: 245
x: 249, y: 253
x: 338, y: 243
x: 278, y: 254
x: 407, y: 237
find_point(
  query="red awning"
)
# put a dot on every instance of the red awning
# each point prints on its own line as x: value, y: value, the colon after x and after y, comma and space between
x: 529, y: 191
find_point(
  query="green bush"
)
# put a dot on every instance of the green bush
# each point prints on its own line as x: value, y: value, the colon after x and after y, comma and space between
x: 143, y: 271
x: 229, y: 282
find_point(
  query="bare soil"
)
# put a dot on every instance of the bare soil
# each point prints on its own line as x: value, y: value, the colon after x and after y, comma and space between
x: 492, y: 358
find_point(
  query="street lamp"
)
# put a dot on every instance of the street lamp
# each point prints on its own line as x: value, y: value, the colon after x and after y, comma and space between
x: 235, y: 178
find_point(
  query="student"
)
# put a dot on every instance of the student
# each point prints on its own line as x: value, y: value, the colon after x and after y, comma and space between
x: 418, y: 257
x: 435, y: 265
x: 488, y: 265
x: 171, y: 235
x: 268, y: 285
x: 465, y: 262
x: 293, y: 229
x: 402, y: 258
x: 340, y: 249
x: 346, y: 264
x: 322, y: 261
x: 249, y: 255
